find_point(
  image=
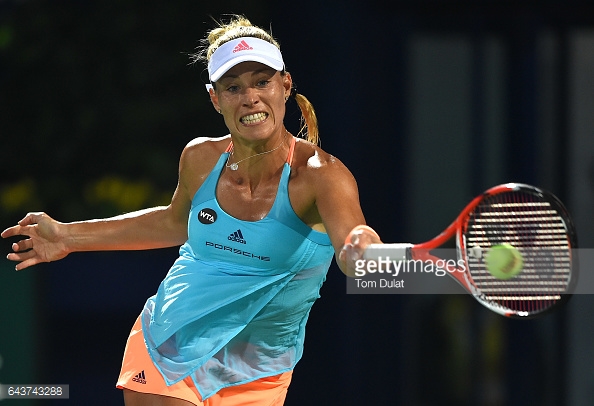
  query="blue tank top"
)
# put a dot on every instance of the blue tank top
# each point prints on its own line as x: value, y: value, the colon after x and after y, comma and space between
x: 233, y: 307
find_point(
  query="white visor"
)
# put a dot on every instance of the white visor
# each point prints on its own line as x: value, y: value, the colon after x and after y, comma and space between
x: 243, y: 50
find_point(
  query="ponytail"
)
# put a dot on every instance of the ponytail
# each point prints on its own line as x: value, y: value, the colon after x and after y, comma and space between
x: 309, y: 128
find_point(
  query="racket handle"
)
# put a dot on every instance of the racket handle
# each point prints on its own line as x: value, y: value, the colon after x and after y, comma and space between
x: 395, y: 251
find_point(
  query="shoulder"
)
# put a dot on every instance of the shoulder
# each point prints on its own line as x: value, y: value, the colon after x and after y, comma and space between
x: 206, y: 146
x: 198, y: 158
x: 317, y: 165
x: 203, y: 152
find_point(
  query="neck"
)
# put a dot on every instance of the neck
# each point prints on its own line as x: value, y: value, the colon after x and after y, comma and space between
x: 256, y: 157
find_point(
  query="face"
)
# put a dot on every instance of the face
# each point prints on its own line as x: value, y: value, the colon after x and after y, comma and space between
x: 251, y: 97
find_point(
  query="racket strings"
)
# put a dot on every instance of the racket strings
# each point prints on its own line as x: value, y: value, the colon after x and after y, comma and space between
x: 537, y: 229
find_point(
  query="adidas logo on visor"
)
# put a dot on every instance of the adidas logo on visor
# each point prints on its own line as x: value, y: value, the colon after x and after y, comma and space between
x: 242, y: 46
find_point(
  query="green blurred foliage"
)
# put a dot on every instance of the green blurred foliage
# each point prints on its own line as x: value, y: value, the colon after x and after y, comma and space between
x: 100, y: 94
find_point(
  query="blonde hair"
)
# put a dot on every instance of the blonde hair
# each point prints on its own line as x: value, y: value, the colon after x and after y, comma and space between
x: 240, y: 26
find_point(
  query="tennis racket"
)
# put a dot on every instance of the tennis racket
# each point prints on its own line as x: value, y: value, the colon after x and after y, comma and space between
x: 533, y: 221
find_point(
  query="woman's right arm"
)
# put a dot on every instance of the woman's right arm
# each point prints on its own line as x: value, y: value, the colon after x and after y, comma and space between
x: 158, y: 227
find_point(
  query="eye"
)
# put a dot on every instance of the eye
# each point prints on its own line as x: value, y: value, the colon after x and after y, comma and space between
x: 232, y: 88
x: 263, y: 83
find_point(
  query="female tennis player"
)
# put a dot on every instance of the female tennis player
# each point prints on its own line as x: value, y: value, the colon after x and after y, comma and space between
x: 258, y: 214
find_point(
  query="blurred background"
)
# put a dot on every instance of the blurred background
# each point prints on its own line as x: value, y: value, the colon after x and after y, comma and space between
x: 428, y: 102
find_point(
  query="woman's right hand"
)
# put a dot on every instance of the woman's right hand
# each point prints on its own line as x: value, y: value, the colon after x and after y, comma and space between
x: 45, y: 242
x: 354, y: 247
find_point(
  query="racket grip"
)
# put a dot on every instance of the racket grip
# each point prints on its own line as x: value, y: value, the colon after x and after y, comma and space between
x: 395, y: 251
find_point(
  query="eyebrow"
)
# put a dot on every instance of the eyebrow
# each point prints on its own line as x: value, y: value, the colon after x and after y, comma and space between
x: 255, y: 72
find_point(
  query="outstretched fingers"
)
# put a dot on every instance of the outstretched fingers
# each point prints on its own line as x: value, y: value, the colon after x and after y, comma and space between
x: 11, y: 231
x: 24, y: 259
x: 32, y: 218
x: 40, y: 242
x: 23, y: 226
x: 23, y: 253
x: 22, y: 245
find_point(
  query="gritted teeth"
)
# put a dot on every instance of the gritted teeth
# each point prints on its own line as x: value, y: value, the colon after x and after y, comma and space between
x: 253, y: 118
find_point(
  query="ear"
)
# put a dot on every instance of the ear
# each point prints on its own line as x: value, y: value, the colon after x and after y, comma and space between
x: 287, y: 84
x: 213, y: 98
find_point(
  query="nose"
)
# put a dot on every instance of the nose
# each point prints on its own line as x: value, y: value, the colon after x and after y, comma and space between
x: 250, y: 96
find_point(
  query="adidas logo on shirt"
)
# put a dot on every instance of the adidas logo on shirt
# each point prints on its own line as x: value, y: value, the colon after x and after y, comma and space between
x: 140, y: 378
x: 242, y: 46
x: 236, y: 236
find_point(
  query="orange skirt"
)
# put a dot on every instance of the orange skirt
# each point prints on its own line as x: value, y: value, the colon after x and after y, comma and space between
x: 140, y: 374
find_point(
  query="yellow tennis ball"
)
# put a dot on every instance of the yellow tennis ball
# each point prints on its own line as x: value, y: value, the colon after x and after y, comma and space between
x: 504, y: 261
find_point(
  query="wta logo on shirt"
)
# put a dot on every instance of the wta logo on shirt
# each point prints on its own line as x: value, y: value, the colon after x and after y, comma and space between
x: 207, y: 216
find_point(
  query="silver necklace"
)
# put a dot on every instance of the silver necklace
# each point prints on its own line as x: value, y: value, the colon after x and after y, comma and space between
x: 235, y: 165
